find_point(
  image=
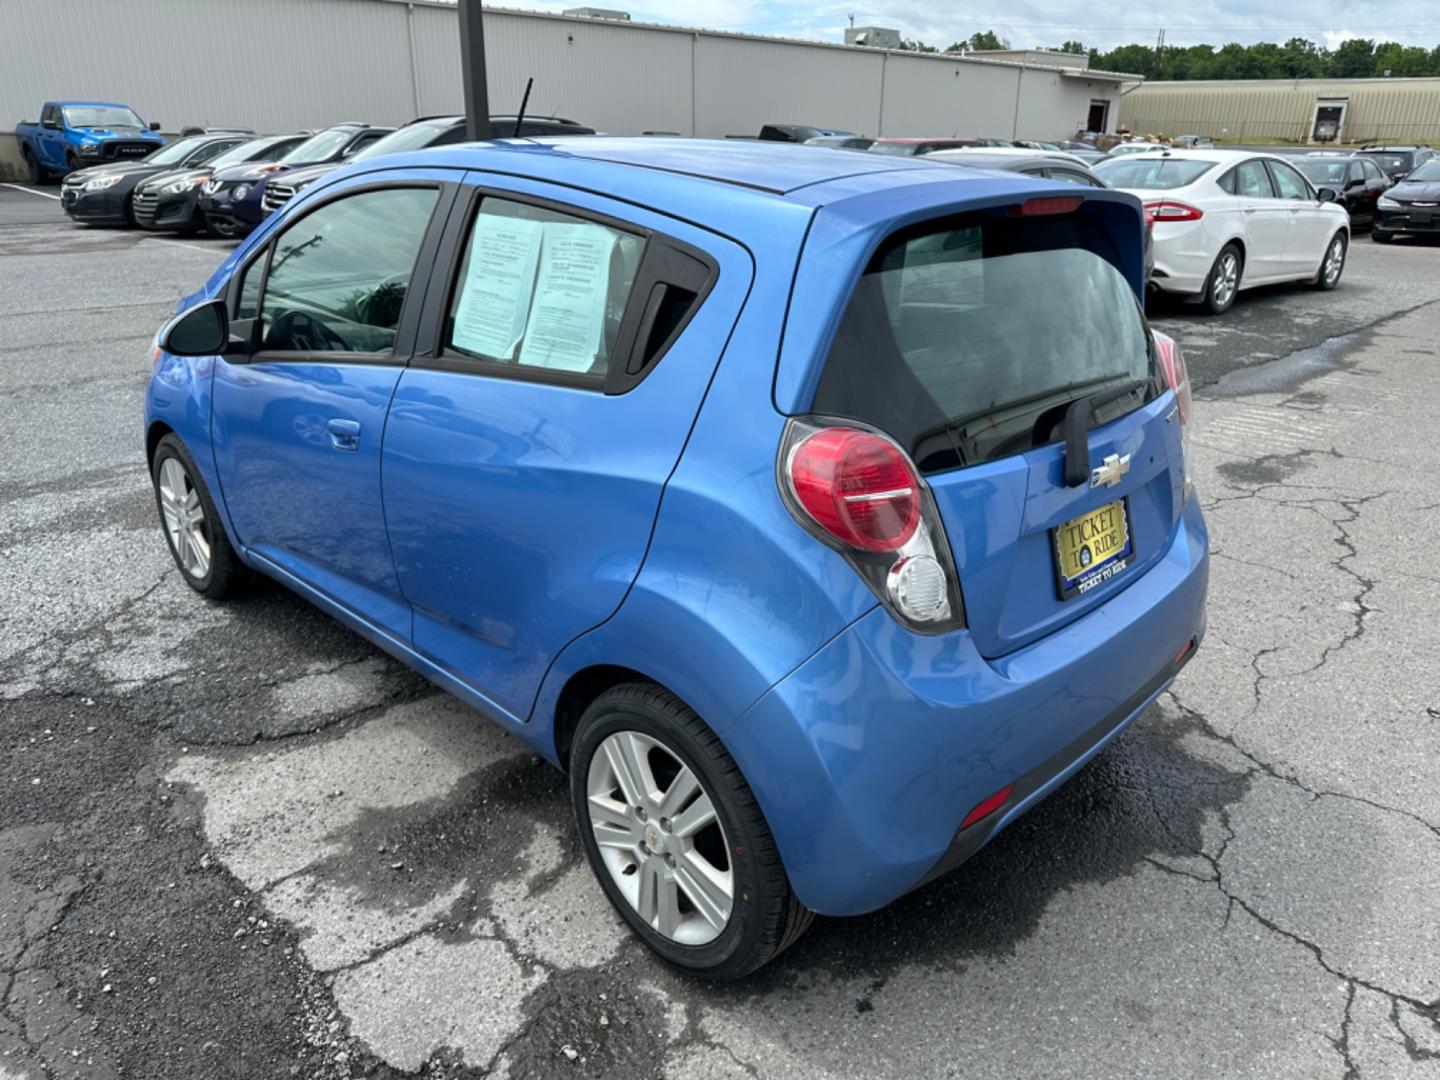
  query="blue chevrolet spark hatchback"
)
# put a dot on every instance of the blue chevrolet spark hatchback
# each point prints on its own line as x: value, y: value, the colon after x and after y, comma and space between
x: 818, y: 514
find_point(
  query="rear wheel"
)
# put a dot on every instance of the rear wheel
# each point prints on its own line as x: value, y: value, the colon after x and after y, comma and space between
x: 1332, y: 265
x: 1224, y: 280
x: 33, y: 168
x: 192, y: 528
x: 676, y: 837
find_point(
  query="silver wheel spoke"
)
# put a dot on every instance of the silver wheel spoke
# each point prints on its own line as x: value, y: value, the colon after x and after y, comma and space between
x: 613, y: 827
x: 706, y: 888
x: 623, y: 765
x: 201, y: 549
x: 681, y: 790
x: 696, y: 816
x: 649, y: 904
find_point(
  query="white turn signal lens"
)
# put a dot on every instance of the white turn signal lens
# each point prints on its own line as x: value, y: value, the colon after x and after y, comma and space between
x: 919, y: 588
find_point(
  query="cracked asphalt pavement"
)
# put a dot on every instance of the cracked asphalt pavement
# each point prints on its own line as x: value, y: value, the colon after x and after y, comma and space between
x: 237, y: 841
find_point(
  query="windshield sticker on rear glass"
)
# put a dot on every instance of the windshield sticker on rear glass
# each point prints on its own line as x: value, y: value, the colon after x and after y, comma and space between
x: 495, y: 299
x: 568, y: 312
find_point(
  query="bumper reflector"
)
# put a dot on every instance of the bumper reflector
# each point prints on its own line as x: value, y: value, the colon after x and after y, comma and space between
x: 985, y: 807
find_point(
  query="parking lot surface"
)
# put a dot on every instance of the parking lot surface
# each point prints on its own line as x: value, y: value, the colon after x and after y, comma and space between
x: 237, y: 841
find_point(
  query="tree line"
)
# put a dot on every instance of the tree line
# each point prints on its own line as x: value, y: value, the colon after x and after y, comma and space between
x: 1298, y: 58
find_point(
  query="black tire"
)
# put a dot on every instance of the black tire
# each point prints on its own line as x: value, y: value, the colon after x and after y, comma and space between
x: 1217, y: 299
x: 220, y: 228
x: 1323, y: 281
x: 1380, y: 236
x: 224, y: 571
x: 71, y: 162
x: 37, y: 172
x: 766, y: 918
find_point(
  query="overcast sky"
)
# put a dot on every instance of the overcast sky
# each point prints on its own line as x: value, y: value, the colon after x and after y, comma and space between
x: 1030, y: 23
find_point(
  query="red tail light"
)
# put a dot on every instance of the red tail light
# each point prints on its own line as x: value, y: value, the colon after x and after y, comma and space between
x: 1170, y: 210
x: 858, y: 488
x: 853, y: 488
x: 1177, y: 377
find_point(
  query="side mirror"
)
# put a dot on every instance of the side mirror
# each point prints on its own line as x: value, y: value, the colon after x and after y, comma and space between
x: 1326, y: 194
x: 53, y: 125
x: 154, y: 125
x: 204, y: 330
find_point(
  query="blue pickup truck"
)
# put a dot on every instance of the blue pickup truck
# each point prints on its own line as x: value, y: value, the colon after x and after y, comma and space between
x: 74, y: 134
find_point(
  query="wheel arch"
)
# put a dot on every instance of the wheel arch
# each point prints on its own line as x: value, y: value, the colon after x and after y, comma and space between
x: 580, y: 689
x: 157, y: 430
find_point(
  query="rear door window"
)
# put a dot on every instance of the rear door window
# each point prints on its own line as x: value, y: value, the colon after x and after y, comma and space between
x: 1252, y: 181
x: 1289, y: 183
x: 967, y: 341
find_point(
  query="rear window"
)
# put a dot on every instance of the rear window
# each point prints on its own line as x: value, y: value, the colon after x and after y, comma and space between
x: 897, y: 149
x: 1324, y: 173
x: 966, y: 341
x: 1391, y: 162
x: 1156, y: 174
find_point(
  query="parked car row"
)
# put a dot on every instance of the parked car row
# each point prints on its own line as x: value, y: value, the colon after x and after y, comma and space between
x: 226, y: 182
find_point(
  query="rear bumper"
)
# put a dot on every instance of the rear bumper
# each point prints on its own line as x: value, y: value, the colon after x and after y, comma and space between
x: 867, y: 758
x: 1183, y: 257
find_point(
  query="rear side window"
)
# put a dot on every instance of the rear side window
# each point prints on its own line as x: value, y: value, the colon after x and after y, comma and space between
x: 1252, y: 181
x: 967, y: 342
x: 1289, y: 183
x: 541, y: 290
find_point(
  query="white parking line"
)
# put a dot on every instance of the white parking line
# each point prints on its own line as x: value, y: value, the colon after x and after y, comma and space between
x: 32, y: 191
x: 187, y: 244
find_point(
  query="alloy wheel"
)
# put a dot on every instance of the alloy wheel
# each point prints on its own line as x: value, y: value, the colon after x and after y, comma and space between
x: 1334, y: 261
x: 660, y: 838
x: 1226, y: 278
x: 185, y: 521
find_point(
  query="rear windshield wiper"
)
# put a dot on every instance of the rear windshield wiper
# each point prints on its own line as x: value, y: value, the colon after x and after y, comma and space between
x: 1077, y: 428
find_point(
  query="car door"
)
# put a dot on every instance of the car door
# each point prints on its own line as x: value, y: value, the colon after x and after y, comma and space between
x: 1267, y: 222
x: 1311, y: 221
x: 50, y: 141
x: 329, y: 313
x: 533, y: 433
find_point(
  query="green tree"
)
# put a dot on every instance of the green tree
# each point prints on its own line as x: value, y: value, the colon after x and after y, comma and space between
x: 981, y: 39
x: 1401, y: 61
x: 1353, y: 59
x: 1072, y: 47
x: 1133, y: 59
x: 1301, y: 58
x: 907, y: 45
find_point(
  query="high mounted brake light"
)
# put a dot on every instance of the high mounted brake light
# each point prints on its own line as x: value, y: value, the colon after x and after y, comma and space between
x: 856, y: 490
x: 1056, y: 204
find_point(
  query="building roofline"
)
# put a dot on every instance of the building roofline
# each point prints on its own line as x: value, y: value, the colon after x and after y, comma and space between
x: 1306, y: 82
x: 772, y: 39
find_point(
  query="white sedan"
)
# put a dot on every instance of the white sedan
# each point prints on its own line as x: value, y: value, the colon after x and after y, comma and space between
x: 1227, y: 220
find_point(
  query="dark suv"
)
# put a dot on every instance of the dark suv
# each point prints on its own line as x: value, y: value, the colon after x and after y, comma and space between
x: 1399, y: 161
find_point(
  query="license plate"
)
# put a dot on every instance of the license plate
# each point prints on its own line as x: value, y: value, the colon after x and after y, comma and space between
x: 1092, y: 548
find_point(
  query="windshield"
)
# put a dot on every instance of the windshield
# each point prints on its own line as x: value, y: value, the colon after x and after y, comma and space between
x: 1156, y: 174
x: 1392, y: 163
x: 410, y: 137
x: 175, y: 153
x: 1429, y: 171
x: 1323, y: 173
x: 101, y: 116
x: 967, y: 343
x: 238, y: 155
x: 319, y: 146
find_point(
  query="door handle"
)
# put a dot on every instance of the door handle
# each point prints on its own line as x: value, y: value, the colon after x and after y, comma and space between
x: 344, y: 434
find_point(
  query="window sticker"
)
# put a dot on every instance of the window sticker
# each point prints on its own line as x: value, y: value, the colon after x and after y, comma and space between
x: 495, y: 298
x: 567, y: 314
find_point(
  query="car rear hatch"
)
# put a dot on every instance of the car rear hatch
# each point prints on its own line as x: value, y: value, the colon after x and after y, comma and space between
x: 970, y: 340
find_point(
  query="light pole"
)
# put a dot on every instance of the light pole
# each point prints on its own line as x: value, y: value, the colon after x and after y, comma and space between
x: 472, y: 70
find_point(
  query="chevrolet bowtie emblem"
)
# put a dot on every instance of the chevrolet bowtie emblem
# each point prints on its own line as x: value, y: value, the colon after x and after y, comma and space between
x: 1110, y: 471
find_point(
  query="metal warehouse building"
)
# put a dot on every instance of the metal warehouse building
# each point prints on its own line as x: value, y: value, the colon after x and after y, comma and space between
x: 1301, y: 110
x: 278, y: 65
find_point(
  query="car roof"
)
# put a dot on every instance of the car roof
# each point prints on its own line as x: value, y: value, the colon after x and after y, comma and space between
x: 776, y: 168
x: 107, y: 104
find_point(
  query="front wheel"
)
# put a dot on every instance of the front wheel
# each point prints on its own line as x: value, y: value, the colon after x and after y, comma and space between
x: 1332, y: 265
x: 676, y: 838
x: 221, y: 228
x: 192, y: 528
x: 1224, y: 280
x: 1380, y: 236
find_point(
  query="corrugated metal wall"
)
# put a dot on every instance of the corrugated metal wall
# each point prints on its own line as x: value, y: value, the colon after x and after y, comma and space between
x: 1380, y: 110
x: 277, y: 65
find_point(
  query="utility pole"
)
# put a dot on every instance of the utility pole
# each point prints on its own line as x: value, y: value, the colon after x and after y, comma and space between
x: 472, y: 70
x: 1160, y: 54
